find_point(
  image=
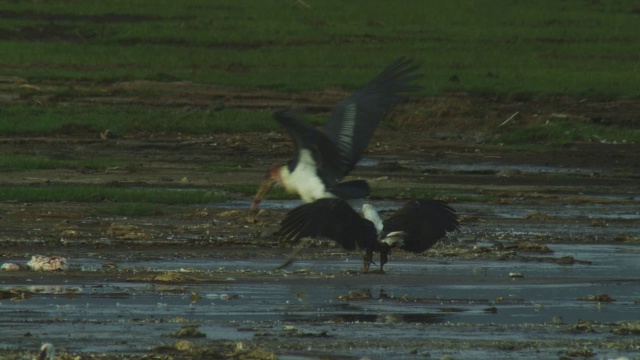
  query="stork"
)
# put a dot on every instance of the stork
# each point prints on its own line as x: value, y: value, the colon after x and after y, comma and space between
x: 323, y: 159
x: 415, y: 227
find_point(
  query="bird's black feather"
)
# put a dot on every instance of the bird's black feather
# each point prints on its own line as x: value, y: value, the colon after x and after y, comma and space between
x: 354, y: 120
x: 323, y: 150
x: 424, y: 222
x: 353, y: 189
x: 334, y: 219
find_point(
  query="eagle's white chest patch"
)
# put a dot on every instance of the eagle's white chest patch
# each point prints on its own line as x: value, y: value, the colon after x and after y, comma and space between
x: 304, y: 179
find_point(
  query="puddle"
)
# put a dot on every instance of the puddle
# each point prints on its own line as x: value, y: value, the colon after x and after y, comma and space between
x: 415, y: 298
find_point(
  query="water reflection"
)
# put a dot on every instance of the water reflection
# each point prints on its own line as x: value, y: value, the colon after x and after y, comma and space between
x: 382, y: 318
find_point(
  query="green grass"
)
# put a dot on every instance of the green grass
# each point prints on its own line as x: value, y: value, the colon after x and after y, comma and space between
x: 571, y: 47
x: 74, y: 50
x: 98, y: 193
x: 22, y: 162
x: 564, y: 132
x: 125, y: 120
x: 276, y: 192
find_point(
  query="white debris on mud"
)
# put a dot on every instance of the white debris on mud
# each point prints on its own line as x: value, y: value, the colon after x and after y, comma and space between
x: 47, y: 263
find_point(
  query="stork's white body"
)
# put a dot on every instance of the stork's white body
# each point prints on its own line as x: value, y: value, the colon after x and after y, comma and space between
x: 304, y: 179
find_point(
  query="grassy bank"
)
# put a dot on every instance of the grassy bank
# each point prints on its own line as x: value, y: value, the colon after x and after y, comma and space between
x: 546, y: 47
x: 100, y: 193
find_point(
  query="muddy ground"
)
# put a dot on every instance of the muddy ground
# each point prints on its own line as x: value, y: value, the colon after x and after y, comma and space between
x: 544, y: 213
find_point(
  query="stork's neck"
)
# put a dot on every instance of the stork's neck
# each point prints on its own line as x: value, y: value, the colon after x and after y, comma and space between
x: 283, y: 176
x: 276, y: 173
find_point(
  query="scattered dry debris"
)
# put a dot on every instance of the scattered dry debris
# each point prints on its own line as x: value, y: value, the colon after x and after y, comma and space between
x: 39, y: 263
x: 126, y: 232
x: 47, y: 263
x: 580, y: 327
x: 232, y: 213
x: 530, y: 247
x: 10, y: 267
x: 599, y: 298
x: 540, y: 216
x: 356, y: 295
x: 171, y: 277
x: 184, y: 345
x: 508, y: 173
x: 188, y: 331
x: 630, y: 328
x: 195, y: 297
x: 584, y: 353
x: 69, y: 233
x: 566, y: 260
x: 15, y: 294
x: 599, y: 223
x: 291, y: 330
x: 241, y: 352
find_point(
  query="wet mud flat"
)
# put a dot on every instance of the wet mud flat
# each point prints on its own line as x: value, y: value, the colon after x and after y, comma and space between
x: 545, y: 264
x: 320, y: 308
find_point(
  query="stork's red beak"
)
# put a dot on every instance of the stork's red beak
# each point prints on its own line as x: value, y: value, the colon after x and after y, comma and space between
x: 266, y: 185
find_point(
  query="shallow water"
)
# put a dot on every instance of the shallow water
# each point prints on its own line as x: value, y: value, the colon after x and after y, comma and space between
x: 453, y: 300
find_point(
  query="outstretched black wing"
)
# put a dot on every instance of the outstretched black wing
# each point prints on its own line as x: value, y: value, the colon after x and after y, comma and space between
x: 333, y: 219
x: 424, y: 221
x: 323, y: 150
x: 354, y: 120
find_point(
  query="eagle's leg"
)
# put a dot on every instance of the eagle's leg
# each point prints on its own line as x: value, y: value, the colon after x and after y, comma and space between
x: 368, y: 259
x: 384, y: 257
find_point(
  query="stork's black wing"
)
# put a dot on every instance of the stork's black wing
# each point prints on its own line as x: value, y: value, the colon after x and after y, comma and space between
x: 424, y: 221
x: 354, y: 120
x: 334, y: 219
x: 323, y: 150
